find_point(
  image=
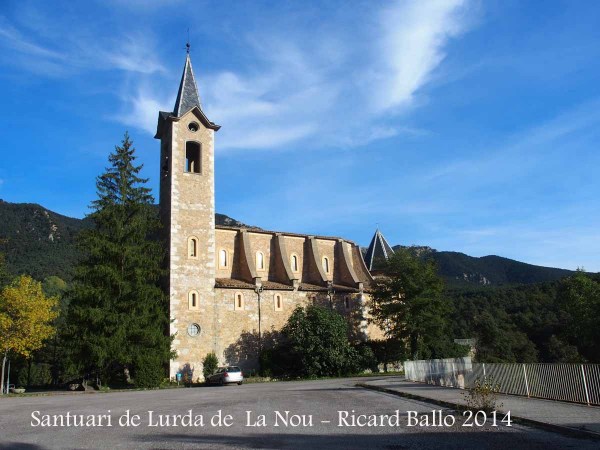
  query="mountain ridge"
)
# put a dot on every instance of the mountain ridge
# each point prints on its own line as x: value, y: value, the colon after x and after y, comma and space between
x: 41, y: 242
x: 461, y: 270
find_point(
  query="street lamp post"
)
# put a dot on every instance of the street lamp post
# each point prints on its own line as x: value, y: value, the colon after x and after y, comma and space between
x: 330, y: 293
x: 258, y: 289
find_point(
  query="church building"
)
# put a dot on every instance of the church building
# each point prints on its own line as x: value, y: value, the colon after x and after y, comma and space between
x: 228, y: 287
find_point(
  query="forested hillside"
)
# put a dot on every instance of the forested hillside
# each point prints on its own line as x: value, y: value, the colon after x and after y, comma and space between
x: 41, y: 243
x: 556, y: 321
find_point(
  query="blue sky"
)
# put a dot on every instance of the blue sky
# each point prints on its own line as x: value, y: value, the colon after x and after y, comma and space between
x: 463, y: 125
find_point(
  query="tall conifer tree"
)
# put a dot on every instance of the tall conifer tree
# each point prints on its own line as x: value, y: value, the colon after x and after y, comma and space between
x: 118, y: 314
x: 409, y: 306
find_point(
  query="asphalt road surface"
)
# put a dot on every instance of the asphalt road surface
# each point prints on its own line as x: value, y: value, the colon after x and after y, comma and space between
x: 316, y: 409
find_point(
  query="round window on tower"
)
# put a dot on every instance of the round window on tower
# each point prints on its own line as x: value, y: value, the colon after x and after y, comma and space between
x: 193, y: 329
x: 193, y: 127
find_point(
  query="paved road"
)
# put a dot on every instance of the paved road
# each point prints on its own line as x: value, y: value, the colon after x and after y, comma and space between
x: 569, y: 415
x: 321, y: 399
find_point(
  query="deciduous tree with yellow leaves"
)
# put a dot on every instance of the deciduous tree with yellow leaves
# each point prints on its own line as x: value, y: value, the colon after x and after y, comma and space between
x: 26, y: 318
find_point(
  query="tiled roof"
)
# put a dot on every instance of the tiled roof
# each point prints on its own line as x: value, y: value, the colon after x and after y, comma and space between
x: 317, y: 288
x: 275, y: 286
x: 241, y: 284
x: 187, y: 99
x: 233, y: 283
x: 187, y: 96
x: 378, y: 252
x: 285, y: 233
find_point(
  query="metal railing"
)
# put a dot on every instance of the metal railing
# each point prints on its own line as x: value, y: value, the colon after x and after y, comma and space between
x: 579, y: 383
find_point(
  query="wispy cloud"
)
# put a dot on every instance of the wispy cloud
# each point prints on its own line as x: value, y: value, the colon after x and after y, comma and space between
x: 133, y: 53
x: 541, y: 242
x: 70, y: 53
x: 142, y: 109
x: 412, y: 45
x: 12, y: 38
x: 332, y: 93
x: 520, y: 153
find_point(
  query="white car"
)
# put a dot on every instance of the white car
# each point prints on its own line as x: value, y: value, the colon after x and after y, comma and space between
x: 226, y: 375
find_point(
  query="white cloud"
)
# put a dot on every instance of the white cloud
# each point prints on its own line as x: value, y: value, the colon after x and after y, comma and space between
x: 142, y: 110
x: 521, y: 153
x: 76, y: 50
x: 415, y: 34
x: 14, y: 39
x: 134, y: 53
x: 333, y: 93
x: 540, y: 242
x: 267, y: 137
x: 332, y: 90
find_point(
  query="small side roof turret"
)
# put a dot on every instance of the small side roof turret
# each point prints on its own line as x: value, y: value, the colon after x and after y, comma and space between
x: 378, y: 252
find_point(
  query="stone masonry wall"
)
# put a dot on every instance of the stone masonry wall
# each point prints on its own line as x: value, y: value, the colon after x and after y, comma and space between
x: 192, y: 214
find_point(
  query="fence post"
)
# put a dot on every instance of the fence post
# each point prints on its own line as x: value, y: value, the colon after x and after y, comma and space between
x: 484, y: 375
x: 526, y: 383
x: 587, y: 395
x: 454, y: 377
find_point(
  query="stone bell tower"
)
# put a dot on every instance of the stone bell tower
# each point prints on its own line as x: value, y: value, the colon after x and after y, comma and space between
x: 187, y: 211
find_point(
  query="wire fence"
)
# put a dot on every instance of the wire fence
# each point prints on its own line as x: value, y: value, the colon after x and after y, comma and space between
x: 579, y: 383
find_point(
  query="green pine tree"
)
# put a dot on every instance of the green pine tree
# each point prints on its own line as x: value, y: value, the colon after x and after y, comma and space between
x: 408, y: 304
x: 118, y: 314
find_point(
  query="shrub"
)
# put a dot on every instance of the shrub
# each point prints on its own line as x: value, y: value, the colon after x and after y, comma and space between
x: 483, y: 396
x: 209, y: 364
x: 314, y: 344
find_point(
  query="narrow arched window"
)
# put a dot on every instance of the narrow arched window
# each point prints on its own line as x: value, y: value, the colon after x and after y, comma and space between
x: 294, y: 261
x: 192, y: 157
x: 347, y: 302
x: 223, y: 258
x: 326, y: 264
x: 278, y: 301
x: 260, y: 261
x: 193, y: 300
x: 192, y: 247
x: 238, y: 301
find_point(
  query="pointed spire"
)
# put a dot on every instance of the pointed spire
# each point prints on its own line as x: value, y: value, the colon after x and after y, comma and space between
x: 187, y: 97
x: 378, y: 252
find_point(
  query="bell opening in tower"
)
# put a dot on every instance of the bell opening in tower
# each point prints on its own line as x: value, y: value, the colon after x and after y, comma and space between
x: 192, y: 157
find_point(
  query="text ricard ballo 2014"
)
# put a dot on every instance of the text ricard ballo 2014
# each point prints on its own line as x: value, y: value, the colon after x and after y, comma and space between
x: 287, y: 419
